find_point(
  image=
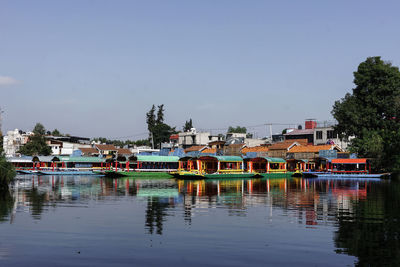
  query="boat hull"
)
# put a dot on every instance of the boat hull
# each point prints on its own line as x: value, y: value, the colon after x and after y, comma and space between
x: 231, y: 175
x: 66, y: 173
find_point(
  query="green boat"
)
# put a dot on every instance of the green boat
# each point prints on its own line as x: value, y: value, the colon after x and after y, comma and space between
x: 277, y: 175
x: 187, y: 175
x: 231, y: 175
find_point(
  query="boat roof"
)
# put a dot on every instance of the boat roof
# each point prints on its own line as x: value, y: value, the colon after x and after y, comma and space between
x: 272, y: 160
x: 80, y: 159
x: 225, y: 158
x: 151, y: 158
x: 20, y: 159
x: 349, y: 161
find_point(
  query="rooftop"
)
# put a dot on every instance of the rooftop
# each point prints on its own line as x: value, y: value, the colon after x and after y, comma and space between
x: 287, y: 143
x: 310, y: 148
x: 106, y: 147
x: 300, y: 132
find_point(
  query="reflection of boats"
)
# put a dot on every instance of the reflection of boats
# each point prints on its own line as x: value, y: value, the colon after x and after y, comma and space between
x: 66, y: 172
x: 26, y: 171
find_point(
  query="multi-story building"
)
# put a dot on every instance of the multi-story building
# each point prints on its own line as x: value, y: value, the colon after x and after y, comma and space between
x: 324, y: 133
x: 194, y: 138
x: 13, y: 141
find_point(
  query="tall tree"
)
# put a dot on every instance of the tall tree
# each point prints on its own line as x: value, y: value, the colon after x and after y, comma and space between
x: 158, y: 131
x: 37, y: 143
x: 188, y: 125
x: 160, y: 114
x: 371, y: 113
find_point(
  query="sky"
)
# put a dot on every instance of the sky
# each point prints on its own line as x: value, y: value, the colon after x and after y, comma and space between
x: 94, y: 68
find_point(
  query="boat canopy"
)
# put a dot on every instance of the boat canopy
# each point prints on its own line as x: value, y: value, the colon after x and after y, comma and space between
x: 44, y: 158
x: 20, y: 159
x: 157, y: 158
x: 225, y: 158
x: 81, y: 159
x: 274, y: 160
x: 349, y: 161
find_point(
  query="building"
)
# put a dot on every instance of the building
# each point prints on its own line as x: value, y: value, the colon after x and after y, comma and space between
x: 107, y: 151
x: 324, y: 133
x: 307, y: 133
x: 309, y: 152
x: 13, y: 141
x: 256, y: 151
x: 279, y: 150
x: 194, y: 138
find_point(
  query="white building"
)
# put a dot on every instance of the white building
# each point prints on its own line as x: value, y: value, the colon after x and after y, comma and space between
x: 13, y: 141
x: 326, y: 135
x: 193, y: 138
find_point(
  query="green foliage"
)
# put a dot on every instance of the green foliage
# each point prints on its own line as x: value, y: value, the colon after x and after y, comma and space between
x: 7, y: 173
x: 237, y: 129
x: 56, y: 132
x: 158, y: 131
x: 39, y: 129
x: 37, y: 143
x: 120, y: 143
x: 372, y: 113
x: 188, y: 125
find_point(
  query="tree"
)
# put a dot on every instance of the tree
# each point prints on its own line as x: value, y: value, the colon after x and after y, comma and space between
x: 160, y: 114
x: 39, y: 129
x: 237, y: 129
x: 7, y: 174
x: 37, y: 143
x: 56, y: 132
x: 158, y: 131
x: 371, y: 113
x: 188, y: 125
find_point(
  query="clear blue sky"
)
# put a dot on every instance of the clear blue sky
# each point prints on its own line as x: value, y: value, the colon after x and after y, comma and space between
x: 94, y: 68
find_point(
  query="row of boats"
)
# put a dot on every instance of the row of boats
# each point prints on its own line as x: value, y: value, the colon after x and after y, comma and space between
x: 215, y: 167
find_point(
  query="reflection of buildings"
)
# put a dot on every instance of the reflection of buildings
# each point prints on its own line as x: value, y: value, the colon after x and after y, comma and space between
x: 310, y: 201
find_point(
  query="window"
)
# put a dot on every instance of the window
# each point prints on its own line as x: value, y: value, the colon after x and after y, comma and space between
x: 319, y: 135
x: 331, y: 134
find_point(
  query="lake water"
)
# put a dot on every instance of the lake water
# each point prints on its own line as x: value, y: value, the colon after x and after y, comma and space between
x: 93, y: 221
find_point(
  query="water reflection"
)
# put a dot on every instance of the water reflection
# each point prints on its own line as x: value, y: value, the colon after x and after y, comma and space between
x: 364, y: 214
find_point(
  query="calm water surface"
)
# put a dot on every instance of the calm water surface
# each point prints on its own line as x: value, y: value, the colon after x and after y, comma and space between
x: 92, y: 221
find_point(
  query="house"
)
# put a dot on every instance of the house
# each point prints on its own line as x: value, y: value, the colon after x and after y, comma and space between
x: 106, y: 151
x: 13, y: 141
x: 218, y: 146
x: 233, y: 149
x: 194, y: 150
x: 325, y: 134
x: 308, y: 156
x: 279, y: 150
x: 307, y: 133
x: 259, y: 151
x: 89, y: 152
x: 194, y: 138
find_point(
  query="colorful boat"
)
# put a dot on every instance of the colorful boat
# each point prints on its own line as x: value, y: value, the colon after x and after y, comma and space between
x: 267, y: 167
x: 346, y: 168
x: 143, y: 166
x: 223, y: 167
x: 187, y: 169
